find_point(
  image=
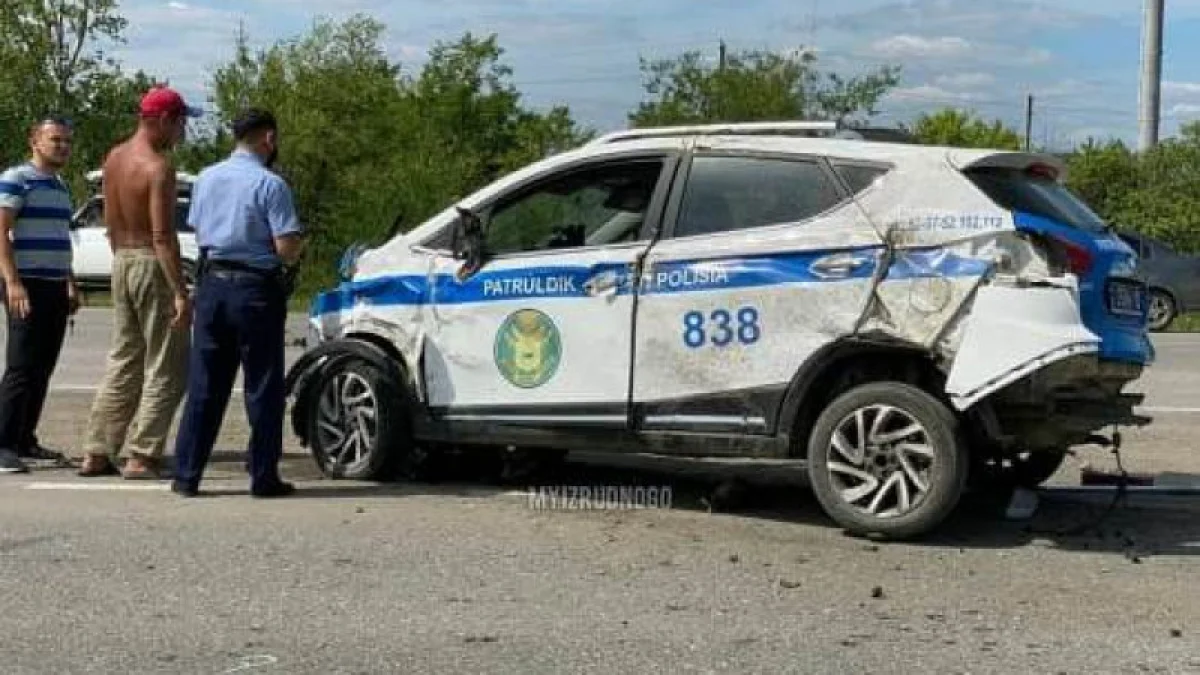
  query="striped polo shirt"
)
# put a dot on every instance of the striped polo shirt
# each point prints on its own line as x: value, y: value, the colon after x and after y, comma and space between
x: 41, y: 237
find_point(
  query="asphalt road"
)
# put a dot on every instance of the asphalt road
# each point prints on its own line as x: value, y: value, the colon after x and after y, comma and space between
x: 106, y: 576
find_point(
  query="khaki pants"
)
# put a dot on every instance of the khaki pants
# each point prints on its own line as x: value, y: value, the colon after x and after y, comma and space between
x: 147, y: 366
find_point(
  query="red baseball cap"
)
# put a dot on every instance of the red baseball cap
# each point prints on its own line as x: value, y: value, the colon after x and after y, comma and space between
x: 160, y: 100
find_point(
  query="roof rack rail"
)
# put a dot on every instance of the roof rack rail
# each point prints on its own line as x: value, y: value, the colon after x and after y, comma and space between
x: 738, y: 128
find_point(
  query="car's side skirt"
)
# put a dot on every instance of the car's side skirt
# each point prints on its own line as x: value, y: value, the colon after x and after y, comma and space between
x: 597, y: 431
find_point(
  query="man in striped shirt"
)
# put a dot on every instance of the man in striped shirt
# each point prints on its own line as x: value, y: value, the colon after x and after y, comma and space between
x: 38, y: 289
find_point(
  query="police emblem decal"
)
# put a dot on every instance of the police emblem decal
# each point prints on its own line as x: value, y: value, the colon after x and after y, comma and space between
x: 528, y: 348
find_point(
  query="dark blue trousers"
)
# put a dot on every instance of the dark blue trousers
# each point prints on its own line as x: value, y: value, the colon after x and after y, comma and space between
x: 238, y: 318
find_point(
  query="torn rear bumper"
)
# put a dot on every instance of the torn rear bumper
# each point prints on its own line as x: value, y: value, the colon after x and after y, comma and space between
x: 1012, y: 332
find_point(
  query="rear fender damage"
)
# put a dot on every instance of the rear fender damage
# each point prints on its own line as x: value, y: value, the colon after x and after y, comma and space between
x: 1013, y: 330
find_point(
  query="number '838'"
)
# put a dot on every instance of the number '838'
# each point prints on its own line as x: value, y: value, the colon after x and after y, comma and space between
x: 720, y: 328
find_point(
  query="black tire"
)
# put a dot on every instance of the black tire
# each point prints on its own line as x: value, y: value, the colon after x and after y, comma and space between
x: 1164, y: 318
x: 945, y: 476
x: 385, y: 451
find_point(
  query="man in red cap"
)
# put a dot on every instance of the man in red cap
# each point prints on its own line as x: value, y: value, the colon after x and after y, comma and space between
x: 147, y: 363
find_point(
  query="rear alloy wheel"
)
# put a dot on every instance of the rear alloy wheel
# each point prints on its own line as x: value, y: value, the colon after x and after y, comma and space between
x: 358, y: 428
x: 886, y: 459
x: 1161, y: 311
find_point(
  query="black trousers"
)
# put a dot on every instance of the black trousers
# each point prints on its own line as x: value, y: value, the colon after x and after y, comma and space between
x: 31, y: 356
x: 238, y: 320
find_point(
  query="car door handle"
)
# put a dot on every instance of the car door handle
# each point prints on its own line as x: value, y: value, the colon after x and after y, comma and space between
x: 837, y: 265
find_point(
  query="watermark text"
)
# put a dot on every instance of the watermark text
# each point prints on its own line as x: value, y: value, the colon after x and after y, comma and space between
x: 599, y: 497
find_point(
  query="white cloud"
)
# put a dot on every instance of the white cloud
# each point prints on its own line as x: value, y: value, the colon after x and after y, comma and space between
x: 1181, y: 88
x: 928, y: 93
x: 178, y: 43
x: 1183, y: 110
x: 1034, y: 57
x: 917, y: 47
x: 965, y: 80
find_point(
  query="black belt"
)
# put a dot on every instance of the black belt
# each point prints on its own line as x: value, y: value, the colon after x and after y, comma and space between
x: 234, y: 268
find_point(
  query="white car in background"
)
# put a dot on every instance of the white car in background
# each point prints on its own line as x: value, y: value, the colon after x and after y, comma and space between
x: 89, y: 236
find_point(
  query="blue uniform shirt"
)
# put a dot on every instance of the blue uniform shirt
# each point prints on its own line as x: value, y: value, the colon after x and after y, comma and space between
x: 238, y: 207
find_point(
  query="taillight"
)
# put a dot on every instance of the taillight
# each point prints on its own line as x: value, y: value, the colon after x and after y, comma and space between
x: 1079, y: 259
x: 1065, y: 255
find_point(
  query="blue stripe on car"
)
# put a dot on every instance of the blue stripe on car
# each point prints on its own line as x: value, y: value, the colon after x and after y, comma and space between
x: 664, y: 278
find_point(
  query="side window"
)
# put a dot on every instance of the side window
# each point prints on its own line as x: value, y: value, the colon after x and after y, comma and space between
x: 585, y: 207
x: 858, y: 176
x: 725, y: 194
x: 181, y: 217
x: 93, y: 215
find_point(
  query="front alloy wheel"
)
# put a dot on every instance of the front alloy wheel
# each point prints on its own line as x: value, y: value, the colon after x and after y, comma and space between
x: 347, y: 421
x: 357, y: 423
x: 886, y: 458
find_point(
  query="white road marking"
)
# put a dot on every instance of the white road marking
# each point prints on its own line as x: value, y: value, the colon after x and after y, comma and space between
x: 1168, y: 409
x: 249, y: 662
x: 101, y: 487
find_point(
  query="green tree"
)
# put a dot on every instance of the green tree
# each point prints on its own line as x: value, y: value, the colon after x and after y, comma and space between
x: 363, y: 142
x: 964, y: 129
x: 755, y: 86
x: 1103, y: 174
x: 1155, y: 192
x: 52, y: 61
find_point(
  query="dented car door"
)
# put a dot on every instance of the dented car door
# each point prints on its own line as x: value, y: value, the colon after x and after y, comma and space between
x: 539, y: 334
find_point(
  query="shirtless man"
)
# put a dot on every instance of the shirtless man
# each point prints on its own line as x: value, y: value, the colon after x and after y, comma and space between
x: 147, y: 364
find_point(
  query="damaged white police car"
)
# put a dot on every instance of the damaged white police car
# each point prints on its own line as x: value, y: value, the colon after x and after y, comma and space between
x: 899, y: 317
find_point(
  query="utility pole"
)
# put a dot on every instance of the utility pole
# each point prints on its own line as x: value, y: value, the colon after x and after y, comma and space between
x: 1028, y: 120
x: 721, y: 82
x: 1150, y: 98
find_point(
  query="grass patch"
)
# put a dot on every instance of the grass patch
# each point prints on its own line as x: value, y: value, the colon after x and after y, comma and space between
x: 1187, y: 323
x: 96, y: 298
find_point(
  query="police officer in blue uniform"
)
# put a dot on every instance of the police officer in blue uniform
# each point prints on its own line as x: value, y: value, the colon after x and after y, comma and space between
x: 250, y: 238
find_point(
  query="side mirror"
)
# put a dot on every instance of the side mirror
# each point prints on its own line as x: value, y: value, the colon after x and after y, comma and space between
x: 348, y: 264
x: 468, y: 244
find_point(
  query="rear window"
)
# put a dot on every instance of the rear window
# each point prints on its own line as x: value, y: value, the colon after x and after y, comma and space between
x: 1038, y: 195
x: 857, y: 176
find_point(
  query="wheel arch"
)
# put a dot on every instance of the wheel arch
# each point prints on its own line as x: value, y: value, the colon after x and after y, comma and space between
x: 302, y: 377
x: 1167, y: 291
x: 846, y: 363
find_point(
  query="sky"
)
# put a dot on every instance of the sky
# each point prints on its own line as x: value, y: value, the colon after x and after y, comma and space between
x: 1079, y: 59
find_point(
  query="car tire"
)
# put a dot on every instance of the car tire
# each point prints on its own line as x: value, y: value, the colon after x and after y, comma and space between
x: 344, y: 440
x: 1162, y: 310
x: 852, y: 471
